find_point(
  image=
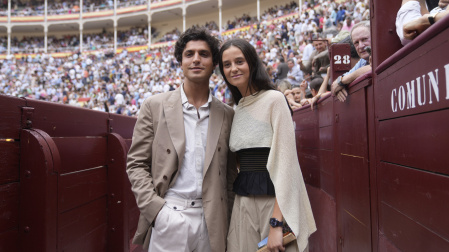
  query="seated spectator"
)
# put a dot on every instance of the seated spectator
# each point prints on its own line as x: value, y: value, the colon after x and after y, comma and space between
x: 320, y: 46
x: 361, y: 38
x: 348, y: 24
x: 294, y: 75
x: 413, y: 18
x: 291, y: 99
x: 282, y: 69
x: 284, y: 85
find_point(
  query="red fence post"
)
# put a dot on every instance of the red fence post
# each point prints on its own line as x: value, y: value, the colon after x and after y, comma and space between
x: 38, y: 192
x: 118, y: 221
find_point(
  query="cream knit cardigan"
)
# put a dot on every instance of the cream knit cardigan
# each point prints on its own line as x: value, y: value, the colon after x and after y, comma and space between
x: 264, y: 120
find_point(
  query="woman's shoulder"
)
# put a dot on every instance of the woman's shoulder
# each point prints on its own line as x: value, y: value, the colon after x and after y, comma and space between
x: 274, y: 95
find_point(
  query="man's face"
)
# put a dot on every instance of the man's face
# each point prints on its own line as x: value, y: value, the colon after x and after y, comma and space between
x: 197, y: 64
x: 290, y: 65
x: 361, y: 38
x: 296, y: 94
x: 319, y: 45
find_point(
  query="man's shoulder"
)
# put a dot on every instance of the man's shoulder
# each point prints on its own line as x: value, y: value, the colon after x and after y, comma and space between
x: 160, y: 98
x: 226, y: 107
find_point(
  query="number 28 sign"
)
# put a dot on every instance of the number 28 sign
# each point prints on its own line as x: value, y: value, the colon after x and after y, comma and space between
x: 338, y: 59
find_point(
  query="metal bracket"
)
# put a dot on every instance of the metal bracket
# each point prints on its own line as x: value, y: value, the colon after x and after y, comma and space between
x: 27, y: 117
x: 110, y: 128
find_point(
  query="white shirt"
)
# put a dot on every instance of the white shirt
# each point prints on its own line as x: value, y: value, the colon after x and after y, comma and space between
x: 189, y: 184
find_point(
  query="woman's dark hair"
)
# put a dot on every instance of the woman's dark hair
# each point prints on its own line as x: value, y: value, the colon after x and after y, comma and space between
x: 258, y: 76
x: 197, y: 34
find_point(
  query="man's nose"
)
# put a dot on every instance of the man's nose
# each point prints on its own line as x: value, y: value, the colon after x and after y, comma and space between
x: 196, y: 57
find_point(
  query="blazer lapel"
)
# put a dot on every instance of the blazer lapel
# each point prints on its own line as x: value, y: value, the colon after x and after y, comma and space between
x: 216, y: 115
x: 175, y: 124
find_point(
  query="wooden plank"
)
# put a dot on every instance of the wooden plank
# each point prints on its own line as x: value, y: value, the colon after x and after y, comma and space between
x: 76, y: 224
x: 327, y: 184
x: 9, y: 240
x: 326, y: 112
x: 327, y: 172
x: 408, y: 235
x: 305, y: 119
x: 385, y: 245
x: 9, y: 161
x: 308, y: 138
x: 123, y: 125
x: 351, y: 127
x: 354, y: 188
x: 394, y: 80
x: 384, y: 40
x: 60, y: 120
x: 10, y: 115
x: 91, y: 242
x: 81, y: 153
x: 420, y: 196
x: 326, y: 138
x: 355, y: 236
x: 419, y: 141
x: 9, y: 206
x: 310, y: 166
x: 79, y: 188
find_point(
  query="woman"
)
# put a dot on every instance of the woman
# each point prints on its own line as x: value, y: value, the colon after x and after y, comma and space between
x: 269, y: 187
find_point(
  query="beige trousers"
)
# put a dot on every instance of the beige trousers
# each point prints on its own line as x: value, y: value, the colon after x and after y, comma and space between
x: 250, y: 223
x: 180, y: 226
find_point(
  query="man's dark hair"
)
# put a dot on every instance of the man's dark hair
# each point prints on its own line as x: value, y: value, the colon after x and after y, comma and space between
x: 197, y: 34
x: 258, y: 76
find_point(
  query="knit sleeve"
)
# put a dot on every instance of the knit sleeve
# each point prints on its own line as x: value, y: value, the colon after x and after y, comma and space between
x: 286, y: 175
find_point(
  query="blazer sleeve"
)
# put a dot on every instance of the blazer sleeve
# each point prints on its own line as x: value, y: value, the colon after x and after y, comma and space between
x: 139, y: 165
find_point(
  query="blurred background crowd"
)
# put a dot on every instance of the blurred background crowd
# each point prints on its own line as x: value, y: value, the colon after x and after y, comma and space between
x: 293, y: 47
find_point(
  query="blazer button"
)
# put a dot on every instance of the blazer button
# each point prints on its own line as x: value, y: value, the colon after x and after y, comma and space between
x: 168, y: 151
x: 165, y: 177
x: 219, y: 148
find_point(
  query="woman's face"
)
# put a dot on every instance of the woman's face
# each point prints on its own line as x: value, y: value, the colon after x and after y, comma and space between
x: 236, y: 69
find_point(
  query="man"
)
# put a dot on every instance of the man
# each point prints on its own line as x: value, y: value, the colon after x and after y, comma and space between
x: 178, y: 162
x: 282, y: 69
x: 361, y: 38
x: 294, y: 75
x: 318, y: 60
x: 413, y: 18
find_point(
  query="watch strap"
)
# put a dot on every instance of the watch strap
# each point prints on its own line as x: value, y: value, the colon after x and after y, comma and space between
x: 431, y: 18
x: 340, y: 82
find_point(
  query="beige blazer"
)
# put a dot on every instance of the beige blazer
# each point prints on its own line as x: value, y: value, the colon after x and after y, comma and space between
x: 156, y: 155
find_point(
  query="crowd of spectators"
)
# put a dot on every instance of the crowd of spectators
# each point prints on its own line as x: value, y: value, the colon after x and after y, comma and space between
x: 37, y: 7
x: 293, y: 49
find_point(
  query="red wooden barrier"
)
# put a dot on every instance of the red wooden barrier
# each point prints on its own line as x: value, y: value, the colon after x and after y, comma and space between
x: 10, y: 124
x: 74, y: 193
x: 389, y: 150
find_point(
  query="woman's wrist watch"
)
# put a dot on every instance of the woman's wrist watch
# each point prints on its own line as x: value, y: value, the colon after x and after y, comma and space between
x: 276, y: 223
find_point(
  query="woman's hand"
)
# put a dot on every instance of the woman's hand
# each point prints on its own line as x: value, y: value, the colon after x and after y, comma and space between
x: 274, y: 243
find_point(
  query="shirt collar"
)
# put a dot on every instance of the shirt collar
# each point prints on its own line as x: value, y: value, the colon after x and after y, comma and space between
x: 185, y: 101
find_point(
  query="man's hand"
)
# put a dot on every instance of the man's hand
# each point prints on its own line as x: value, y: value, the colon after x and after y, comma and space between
x: 303, y: 86
x: 274, y: 243
x: 416, y: 27
x: 339, y: 91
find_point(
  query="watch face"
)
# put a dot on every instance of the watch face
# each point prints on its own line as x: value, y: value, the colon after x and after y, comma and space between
x: 275, y: 223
